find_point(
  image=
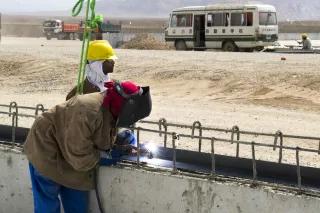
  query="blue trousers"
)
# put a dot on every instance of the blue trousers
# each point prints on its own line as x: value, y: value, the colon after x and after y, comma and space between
x: 46, y: 196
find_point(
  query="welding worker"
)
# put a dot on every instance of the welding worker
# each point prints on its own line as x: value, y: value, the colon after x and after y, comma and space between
x: 100, y: 62
x: 63, y: 146
x: 306, y: 42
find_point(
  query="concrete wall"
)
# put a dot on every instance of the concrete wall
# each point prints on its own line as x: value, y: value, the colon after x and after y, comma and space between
x: 129, y: 190
x: 15, y: 186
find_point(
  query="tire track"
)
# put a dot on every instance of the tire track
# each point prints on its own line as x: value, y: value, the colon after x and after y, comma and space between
x: 287, y: 89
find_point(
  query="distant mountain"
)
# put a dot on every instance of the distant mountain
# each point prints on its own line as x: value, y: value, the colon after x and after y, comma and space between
x: 287, y: 9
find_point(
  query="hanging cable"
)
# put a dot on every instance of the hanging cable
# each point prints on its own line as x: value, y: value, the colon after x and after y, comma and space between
x: 90, y: 25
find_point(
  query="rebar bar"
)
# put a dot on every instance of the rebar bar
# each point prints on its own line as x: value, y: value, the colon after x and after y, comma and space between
x: 213, y: 161
x: 163, y: 122
x: 197, y: 125
x: 254, y: 164
x: 138, y: 146
x: 174, y: 156
x: 298, y: 168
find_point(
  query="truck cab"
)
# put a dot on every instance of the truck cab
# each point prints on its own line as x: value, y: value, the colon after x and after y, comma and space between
x: 51, y: 28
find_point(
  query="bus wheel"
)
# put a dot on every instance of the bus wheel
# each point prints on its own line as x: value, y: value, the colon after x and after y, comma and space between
x: 230, y: 46
x: 181, y: 45
x: 249, y: 50
x: 259, y: 48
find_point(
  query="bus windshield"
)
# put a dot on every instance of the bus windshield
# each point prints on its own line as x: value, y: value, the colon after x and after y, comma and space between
x: 267, y: 18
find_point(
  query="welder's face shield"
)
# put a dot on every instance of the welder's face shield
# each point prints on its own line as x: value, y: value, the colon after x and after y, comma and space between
x: 135, y: 108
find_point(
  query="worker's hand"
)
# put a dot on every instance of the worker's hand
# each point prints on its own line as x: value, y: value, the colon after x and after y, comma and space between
x: 124, y: 145
x: 125, y: 149
x: 110, y: 158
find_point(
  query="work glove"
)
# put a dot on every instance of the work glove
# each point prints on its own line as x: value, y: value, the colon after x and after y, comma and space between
x: 109, y: 158
x: 124, y: 145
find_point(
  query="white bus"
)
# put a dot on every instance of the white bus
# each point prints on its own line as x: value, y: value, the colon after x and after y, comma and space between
x: 232, y: 27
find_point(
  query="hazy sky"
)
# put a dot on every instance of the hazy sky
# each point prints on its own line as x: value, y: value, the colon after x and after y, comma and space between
x: 35, y: 5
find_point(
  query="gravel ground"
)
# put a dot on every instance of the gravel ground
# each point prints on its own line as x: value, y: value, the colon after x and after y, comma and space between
x: 256, y: 91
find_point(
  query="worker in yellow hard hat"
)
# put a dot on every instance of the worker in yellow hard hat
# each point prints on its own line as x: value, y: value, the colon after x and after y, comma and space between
x: 100, y: 62
x: 306, y: 42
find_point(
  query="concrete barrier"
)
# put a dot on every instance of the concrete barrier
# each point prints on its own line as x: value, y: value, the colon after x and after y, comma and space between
x: 131, y: 190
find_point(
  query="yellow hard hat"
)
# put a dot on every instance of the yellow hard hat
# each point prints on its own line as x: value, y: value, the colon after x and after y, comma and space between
x: 100, y: 50
x: 304, y: 35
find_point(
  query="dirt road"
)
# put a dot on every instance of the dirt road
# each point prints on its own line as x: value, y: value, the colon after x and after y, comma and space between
x: 256, y: 91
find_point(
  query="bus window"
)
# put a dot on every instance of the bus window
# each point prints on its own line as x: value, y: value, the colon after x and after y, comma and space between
x: 209, y: 20
x: 266, y: 18
x: 217, y: 19
x: 241, y: 19
x: 183, y: 20
x: 173, y: 21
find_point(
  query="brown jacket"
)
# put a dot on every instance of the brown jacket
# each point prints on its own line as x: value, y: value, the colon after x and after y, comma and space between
x: 87, y: 88
x: 63, y: 143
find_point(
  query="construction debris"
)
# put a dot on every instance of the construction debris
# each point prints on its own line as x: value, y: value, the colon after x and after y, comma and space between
x: 145, y: 42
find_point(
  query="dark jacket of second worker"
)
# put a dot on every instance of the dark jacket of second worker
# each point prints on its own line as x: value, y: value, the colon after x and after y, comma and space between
x: 87, y: 88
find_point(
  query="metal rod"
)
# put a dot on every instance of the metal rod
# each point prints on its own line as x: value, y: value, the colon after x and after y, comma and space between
x: 174, y: 157
x: 280, y: 149
x: 14, y: 105
x: 138, y: 146
x: 229, y: 130
x: 195, y: 125
x: 249, y: 143
x: 163, y: 122
x: 13, y: 127
x: 190, y: 127
x: 213, y: 161
x: 208, y: 138
x: 228, y: 141
x: 20, y: 114
x: 254, y: 165
x: 39, y: 107
x: 21, y: 107
x: 298, y: 168
x: 235, y: 129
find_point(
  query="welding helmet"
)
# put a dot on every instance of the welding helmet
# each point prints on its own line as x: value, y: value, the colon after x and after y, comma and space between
x: 100, y: 50
x: 136, y: 106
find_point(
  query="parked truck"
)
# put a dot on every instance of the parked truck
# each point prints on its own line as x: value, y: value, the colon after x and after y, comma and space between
x: 72, y: 31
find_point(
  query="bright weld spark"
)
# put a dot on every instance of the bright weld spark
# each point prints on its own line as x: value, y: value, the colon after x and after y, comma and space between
x: 151, y: 147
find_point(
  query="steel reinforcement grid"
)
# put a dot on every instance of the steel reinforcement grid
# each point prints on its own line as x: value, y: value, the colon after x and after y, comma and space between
x: 178, y: 132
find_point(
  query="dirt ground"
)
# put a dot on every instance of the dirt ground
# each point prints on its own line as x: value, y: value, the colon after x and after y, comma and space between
x: 256, y: 91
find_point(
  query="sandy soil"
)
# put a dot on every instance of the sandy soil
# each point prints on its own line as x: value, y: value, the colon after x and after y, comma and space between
x: 256, y: 91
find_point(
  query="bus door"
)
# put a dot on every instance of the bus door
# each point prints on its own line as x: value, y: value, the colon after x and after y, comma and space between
x: 199, y: 31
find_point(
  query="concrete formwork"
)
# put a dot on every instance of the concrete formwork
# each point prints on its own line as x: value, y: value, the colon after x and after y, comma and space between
x: 15, y: 185
x: 126, y: 190
x: 131, y: 190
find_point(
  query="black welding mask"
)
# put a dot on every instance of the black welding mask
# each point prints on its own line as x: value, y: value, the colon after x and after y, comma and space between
x: 136, y: 106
